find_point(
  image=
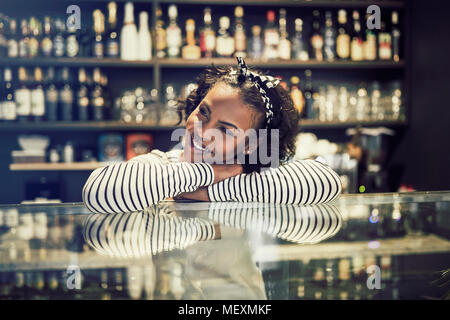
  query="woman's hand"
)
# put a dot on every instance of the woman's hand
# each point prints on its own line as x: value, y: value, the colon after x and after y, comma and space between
x: 200, y: 194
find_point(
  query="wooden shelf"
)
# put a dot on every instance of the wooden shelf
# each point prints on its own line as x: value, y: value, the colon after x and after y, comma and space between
x: 200, y: 63
x: 316, y: 124
x: 74, y: 166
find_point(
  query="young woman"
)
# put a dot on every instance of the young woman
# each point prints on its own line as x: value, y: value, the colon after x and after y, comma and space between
x: 226, y: 102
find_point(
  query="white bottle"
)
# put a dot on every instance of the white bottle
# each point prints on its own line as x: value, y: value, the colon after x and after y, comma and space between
x: 129, y: 47
x: 145, y: 40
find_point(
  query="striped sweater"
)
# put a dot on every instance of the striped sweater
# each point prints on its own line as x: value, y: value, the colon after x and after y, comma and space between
x: 147, y: 179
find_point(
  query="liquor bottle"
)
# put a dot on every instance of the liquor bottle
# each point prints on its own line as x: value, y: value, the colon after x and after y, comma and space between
x: 256, y: 43
x: 173, y: 34
x: 66, y: 96
x: 240, y: 39
x: 160, y: 35
x: 47, y: 43
x: 98, y: 47
x: 22, y: 95
x: 370, y: 45
x: 297, y: 95
x: 384, y: 43
x: 344, y: 274
x: 375, y: 102
x: 37, y: 96
x: 112, y: 41
x: 119, y: 286
x: 13, y: 44
x: 135, y: 281
x: 329, y: 38
x: 83, y: 96
x: 97, y: 98
x: 8, y: 104
x: 51, y: 95
x: 24, y: 39
x: 58, y: 41
x: 356, y: 46
x: 271, y: 37
x: 72, y: 44
x: 163, y: 289
x: 35, y: 33
x: 284, y: 47
x: 395, y: 37
x: 308, y: 93
x: 129, y: 36
x: 207, y: 35
x: 343, y: 38
x: 224, y: 42
x: 299, y: 46
x: 144, y: 38
x: 190, y: 50
x: 316, y: 38
x: 104, y: 286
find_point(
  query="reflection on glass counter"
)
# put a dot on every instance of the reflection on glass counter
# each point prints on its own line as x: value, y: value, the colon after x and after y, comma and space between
x: 379, y: 246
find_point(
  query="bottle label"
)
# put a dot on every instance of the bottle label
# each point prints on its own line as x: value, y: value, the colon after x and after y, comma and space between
x: 72, y: 46
x: 83, y: 101
x: 9, y: 110
x: 23, y: 101
x: 240, y: 40
x: 284, y: 49
x: 173, y: 41
x: 370, y: 48
x: 58, y: 46
x: 46, y: 46
x: 271, y: 38
x: 13, y: 48
x: 160, y: 40
x: 225, y: 46
x: 37, y: 102
x: 23, y: 49
x: 33, y: 47
x: 112, y: 48
x: 357, y: 51
x: 51, y: 96
x: 66, y: 96
x: 343, y: 46
x: 98, y: 49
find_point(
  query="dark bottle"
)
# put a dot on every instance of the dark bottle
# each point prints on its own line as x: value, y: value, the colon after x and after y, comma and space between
x: 83, y: 96
x: 330, y: 38
x: 66, y: 96
x: 22, y: 96
x: 35, y: 37
x: 299, y: 46
x: 47, y: 42
x: 72, y: 46
x: 99, y: 28
x: 7, y: 102
x: 316, y: 38
x: 112, y: 42
x: 395, y: 37
x: 97, y: 97
x: 24, y: 39
x: 308, y: 92
x: 58, y: 41
x: 51, y: 96
x: 13, y: 43
x: 37, y: 96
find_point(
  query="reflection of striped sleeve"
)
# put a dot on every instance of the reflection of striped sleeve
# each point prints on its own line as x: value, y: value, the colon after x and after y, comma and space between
x: 143, y: 233
x: 297, y: 182
x: 135, y: 185
x: 301, y: 224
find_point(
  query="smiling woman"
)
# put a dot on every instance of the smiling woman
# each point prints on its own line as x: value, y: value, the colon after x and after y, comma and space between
x: 218, y: 162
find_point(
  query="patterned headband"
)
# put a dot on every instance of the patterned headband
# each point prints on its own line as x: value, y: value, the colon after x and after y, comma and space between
x: 259, y: 81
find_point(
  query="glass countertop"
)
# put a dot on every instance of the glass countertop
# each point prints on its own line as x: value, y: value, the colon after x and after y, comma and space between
x: 374, y: 246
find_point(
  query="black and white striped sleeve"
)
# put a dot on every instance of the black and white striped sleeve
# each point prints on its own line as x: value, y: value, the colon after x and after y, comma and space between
x: 134, y: 185
x: 297, y: 182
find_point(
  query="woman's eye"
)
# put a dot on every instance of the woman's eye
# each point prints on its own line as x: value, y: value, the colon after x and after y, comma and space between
x: 227, y: 131
x: 202, y: 112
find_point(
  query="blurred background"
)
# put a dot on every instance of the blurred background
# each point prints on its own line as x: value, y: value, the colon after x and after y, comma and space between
x: 84, y: 82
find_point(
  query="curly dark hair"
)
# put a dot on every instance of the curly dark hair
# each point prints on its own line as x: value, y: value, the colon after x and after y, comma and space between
x: 286, y: 117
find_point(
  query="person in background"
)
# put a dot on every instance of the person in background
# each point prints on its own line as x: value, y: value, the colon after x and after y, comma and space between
x: 226, y: 102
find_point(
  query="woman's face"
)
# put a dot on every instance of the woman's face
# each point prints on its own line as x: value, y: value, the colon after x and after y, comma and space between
x: 214, y: 130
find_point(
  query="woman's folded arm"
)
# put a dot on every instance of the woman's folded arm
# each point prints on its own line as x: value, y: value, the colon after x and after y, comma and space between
x: 297, y: 182
x: 134, y: 185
